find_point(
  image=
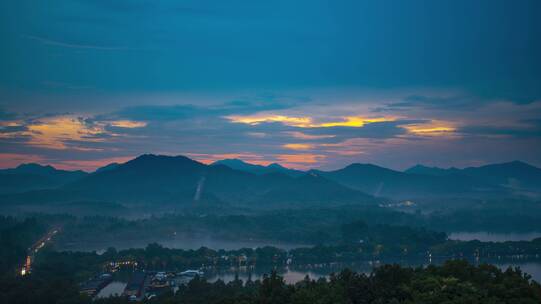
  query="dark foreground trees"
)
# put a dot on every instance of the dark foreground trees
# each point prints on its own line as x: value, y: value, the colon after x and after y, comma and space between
x: 454, y: 282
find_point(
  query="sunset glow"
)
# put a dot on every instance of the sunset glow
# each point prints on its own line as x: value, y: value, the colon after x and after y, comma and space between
x: 299, y: 146
x: 308, y: 122
x: 433, y: 128
x: 55, y: 132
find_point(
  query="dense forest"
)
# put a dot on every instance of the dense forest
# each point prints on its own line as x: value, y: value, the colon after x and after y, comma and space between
x: 453, y: 282
x: 360, y: 234
x: 314, y: 226
x: 15, y: 238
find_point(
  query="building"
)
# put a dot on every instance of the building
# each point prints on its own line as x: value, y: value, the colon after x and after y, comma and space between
x: 94, y: 285
x: 135, y: 286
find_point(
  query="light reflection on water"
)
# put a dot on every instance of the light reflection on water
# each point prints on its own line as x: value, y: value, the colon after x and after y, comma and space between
x: 296, y: 274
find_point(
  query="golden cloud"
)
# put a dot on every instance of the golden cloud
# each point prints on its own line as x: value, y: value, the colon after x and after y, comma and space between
x: 432, y: 128
x: 308, y: 122
x: 300, y: 158
x: 356, y: 121
x: 302, y: 122
x: 298, y: 146
x: 128, y: 124
x: 53, y: 132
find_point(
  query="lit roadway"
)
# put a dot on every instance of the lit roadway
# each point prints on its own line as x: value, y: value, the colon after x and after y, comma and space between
x: 35, y: 248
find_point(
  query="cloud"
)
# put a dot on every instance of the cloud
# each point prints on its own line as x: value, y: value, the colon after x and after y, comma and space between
x: 301, y: 135
x: 495, y: 131
x: 11, y: 160
x: 6, y: 115
x: 308, y: 122
x: 446, y: 102
x: 7, y: 129
x: 127, y: 124
x: 53, y: 133
x: 299, y: 146
x: 300, y: 161
x: 432, y: 128
x: 190, y: 111
x: 301, y: 122
x: 89, y: 165
x: 299, y: 132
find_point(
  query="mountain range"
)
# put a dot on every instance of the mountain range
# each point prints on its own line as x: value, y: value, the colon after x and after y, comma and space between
x: 34, y: 176
x: 238, y: 164
x: 159, y: 182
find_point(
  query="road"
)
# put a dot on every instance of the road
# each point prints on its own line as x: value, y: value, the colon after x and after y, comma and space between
x: 35, y: 248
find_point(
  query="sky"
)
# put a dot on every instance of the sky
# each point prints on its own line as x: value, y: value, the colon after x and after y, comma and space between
x: 307, y: 83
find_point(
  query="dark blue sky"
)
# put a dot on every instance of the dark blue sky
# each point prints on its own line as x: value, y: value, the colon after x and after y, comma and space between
x: 305, y: 83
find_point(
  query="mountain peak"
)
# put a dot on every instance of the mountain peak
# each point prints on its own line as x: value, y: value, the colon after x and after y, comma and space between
x: 519, y: 163
x: 432, y: 171
x: 107, y: 167
x: 35, y: 168
x: 241, y: 165
x: 232, y: 161
x: 276, y: 166
x: 154, y: 162
x: 360, y: 166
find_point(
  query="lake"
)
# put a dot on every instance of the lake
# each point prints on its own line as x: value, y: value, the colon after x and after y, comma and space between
x: 295, y: 274
x: 484, y: 236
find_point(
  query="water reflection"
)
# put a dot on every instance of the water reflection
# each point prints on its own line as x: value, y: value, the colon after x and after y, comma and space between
x: 294, y: 274
x: 297, y: 273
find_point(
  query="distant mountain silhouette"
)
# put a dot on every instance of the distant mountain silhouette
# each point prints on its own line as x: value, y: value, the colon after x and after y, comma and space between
x: 107, y: 167
x: 32, y: 176
x: 513, y: 175
x: 153, y: 178
x: 238, y: 164
x: 315, y: 190
x: 156, y: 183
x: 435, y: 171
x: 379, y: 181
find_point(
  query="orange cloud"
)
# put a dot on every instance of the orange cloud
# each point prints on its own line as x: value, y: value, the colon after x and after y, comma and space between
x: 300, y: 161
x: 53, y: 132
x: 308, y: 122
x: 301, y: 158
x: 89, y: 165
x: 432, y: 128
x: 10, y: 124
x: 128, y: 124
x: 11, y: 160
x: 298, y: 146
x: 302, y: 122
x: 356, y: 121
